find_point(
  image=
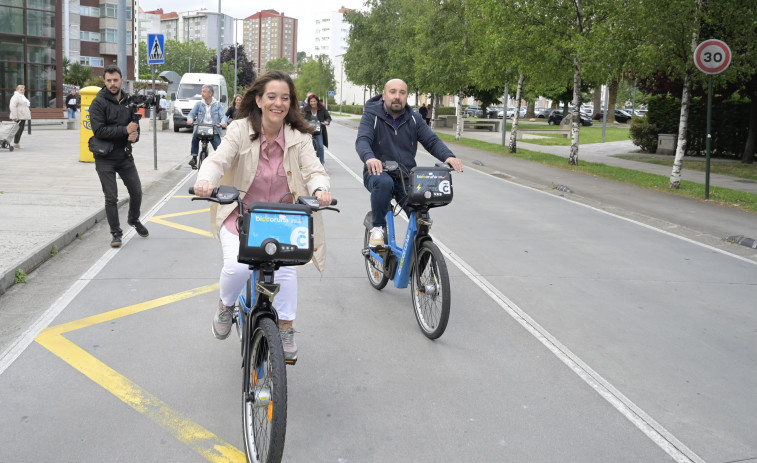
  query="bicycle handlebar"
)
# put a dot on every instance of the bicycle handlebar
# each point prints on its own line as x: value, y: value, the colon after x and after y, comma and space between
x: 224, y: 194
x: 390, y: 166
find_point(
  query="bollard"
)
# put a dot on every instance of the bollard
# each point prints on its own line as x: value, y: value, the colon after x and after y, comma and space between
x: 88, y: 94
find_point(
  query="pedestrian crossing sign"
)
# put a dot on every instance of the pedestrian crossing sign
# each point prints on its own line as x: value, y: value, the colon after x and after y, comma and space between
x: 156, y: 49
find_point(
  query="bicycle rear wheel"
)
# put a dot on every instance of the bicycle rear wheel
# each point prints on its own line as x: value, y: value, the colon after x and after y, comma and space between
x: 375, y: 270
x: 429, y: 285
x: 264, y: 402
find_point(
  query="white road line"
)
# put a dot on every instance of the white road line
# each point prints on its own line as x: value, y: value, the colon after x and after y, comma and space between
x: 44, y: 320
x: 645, y: 423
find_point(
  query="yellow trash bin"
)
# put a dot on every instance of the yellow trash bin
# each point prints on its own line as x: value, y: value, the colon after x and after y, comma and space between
x: 88, y: 94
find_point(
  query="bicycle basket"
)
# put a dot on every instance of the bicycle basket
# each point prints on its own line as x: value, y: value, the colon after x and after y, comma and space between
x: 275, y: 232
x: 430, y: 186
x: 205, y: 132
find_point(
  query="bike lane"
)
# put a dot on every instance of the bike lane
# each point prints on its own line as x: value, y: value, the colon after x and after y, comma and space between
x: 130, y: 370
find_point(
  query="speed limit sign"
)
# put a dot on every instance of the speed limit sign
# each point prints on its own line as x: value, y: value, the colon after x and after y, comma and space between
x: 712, y: 56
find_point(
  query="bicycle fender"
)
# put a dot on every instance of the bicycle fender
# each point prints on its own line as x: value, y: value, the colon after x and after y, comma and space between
x: 368, y: 221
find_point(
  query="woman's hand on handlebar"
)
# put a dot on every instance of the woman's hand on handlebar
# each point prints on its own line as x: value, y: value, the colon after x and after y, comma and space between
x: 203, y: 188
x: 324, y: 197
x: 455, y: 164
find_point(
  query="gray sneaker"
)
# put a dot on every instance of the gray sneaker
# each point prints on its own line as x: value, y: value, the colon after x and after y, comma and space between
x: 287, y: 339
x: 222, y: 320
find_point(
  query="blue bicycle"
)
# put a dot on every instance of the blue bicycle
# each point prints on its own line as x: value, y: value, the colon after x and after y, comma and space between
x: 418, y: 261
x: 271, y: 235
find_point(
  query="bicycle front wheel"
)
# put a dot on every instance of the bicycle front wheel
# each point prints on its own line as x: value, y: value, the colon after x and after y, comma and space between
x: 202, y: 156
x: 373, y: 267
x: 264, y: 404
x: 429, y: 285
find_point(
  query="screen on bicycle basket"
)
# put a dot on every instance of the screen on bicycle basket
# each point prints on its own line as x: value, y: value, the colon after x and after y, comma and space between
x: 284, y: 227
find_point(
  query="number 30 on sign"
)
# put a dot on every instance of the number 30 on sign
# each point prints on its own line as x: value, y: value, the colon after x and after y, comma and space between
x: 712, y: 56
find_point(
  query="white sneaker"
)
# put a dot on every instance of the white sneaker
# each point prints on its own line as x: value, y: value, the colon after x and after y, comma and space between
x: 377, y: 237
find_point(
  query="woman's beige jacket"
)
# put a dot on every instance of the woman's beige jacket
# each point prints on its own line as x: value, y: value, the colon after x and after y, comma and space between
x: 236, y: 162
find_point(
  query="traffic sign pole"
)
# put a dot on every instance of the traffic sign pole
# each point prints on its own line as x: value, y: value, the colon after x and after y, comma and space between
x: 711, y: 57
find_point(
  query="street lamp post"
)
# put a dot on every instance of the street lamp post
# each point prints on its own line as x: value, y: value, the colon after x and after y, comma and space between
x: 220, y: 45
x: 341, y: 81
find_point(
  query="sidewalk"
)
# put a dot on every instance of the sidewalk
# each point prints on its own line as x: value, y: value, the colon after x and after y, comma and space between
x: 48, y: 197
x: 606, y: 153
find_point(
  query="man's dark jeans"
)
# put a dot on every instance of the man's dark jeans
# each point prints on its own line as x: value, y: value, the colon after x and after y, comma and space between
x: 196, y: 144
x: 127, y: 170
x: 383, y: 187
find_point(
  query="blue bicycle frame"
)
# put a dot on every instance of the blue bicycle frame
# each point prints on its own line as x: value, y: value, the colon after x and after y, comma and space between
x: 404, y: 254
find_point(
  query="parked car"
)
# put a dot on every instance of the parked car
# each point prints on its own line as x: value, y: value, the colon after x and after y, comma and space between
x: 495, y: 112
x: 555, y: 117
x: 473, y: 110
x: 621, y: 116
x: 543, y: 113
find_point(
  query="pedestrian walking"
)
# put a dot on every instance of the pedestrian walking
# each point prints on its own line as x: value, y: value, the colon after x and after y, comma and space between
x: 423, y: 110
x: 71, y: 104
x: 114, y: 133
x: 20, y: 112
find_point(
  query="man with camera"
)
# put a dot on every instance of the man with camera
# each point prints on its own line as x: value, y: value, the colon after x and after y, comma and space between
x: 206, y: 111
x: 114, y: 132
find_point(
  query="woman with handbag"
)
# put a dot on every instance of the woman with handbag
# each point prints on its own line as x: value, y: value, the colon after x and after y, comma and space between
x: 20, y: 112
x: 315, y: 111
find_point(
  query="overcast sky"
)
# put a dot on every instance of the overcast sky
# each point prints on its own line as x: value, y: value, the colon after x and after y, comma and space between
x: 305, y: 11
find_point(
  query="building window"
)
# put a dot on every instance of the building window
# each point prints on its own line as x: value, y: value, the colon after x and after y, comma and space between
x: 48, y: 5
x: 11, y: 20
x: 92, y: 61
x: 110, y: 10
x: 40, y: 24
x: 88, y: 36
x: 89, y: 11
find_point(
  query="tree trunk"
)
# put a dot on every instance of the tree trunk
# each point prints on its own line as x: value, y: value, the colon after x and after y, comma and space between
x: 576, y: 119
x: 531, y: 110
x: 459, y: 113
x: 612, y: 104
x: 596, y: 100
x: 675, y: 176
x: 516, y: 117
x: 433, y: 111
x: 748, y: 155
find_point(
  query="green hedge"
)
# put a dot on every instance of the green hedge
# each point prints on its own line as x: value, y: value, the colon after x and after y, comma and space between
x: 730, y: 124
x: 349, y: 108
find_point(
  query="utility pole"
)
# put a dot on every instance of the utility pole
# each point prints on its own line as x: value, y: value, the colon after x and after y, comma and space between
x: 220, y: 44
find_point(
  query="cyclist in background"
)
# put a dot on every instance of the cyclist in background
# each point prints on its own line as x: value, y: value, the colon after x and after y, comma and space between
x: 390, y: 131
x: 206, y: 111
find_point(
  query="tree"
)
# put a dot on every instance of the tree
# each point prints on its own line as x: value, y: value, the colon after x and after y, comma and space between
x: 317, y: 76
x: 76, y: 74
x: 181, y: 57
x: 279, y: 64
x: 245, y: 68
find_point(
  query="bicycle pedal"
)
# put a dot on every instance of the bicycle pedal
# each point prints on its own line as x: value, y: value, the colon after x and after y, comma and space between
x: 290, y: 361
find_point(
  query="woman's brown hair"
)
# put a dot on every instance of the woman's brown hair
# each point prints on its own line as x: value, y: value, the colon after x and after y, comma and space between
x: 249, y: 107
x: 318, y: 106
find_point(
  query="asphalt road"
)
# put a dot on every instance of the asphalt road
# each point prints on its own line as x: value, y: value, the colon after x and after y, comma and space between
x: 577, y: 334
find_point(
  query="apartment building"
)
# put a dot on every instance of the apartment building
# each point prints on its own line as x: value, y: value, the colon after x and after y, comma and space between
x: 269, y: 35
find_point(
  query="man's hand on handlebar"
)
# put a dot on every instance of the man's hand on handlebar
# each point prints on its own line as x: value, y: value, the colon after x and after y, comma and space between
x: 374, y: 166
x: 455, y: 163
x: 203, y: 188
x: 223, y: 125
x: 190, y: 122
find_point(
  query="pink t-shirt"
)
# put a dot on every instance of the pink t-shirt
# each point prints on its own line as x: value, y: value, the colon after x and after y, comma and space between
x: 270, y: 182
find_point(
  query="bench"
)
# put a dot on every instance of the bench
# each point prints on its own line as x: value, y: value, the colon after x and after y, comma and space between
x: 52, y: 115
x: 490, y: 125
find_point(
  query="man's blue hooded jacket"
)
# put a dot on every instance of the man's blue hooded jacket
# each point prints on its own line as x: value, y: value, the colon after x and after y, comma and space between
x: 377, y: 138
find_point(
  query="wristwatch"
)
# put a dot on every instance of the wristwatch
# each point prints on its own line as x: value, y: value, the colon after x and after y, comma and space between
x: 320, y: 188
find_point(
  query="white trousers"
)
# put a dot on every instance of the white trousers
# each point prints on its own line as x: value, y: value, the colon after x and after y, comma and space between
x: 234, y: 276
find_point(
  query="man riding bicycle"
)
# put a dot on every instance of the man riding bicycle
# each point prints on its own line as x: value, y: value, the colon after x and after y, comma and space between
x: 390, y: 131
x: 206, y: 111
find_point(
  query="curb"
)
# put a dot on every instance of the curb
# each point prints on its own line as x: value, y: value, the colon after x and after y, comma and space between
x: 42, y: 254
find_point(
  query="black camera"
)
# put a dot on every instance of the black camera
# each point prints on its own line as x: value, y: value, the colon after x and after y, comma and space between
x: 141, y: 101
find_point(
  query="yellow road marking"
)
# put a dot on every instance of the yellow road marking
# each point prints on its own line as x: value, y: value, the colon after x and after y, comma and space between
x: 161, y: 220
x: 199, y: 439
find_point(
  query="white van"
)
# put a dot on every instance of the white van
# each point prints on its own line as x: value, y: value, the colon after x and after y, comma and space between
x: 190, y: 92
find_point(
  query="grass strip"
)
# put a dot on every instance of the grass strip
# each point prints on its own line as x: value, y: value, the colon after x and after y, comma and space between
x: 688, y: 189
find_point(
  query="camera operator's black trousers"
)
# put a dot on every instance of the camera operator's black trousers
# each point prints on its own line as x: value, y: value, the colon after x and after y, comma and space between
x: 127, y: 170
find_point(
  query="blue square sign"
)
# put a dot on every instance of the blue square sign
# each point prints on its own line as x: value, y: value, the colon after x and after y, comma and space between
x: 156, y: 52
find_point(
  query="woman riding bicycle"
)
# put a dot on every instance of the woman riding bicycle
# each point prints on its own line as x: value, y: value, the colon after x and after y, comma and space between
x: 267, y: 153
